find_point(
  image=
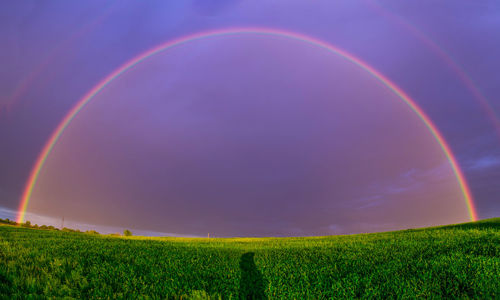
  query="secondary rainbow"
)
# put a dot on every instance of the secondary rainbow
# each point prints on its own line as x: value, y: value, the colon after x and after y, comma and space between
x: 23, y: 87
x: 35, y: 172
x: 455, y: 67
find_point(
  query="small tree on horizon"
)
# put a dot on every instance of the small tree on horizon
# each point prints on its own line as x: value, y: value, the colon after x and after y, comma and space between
x: 127, y: 232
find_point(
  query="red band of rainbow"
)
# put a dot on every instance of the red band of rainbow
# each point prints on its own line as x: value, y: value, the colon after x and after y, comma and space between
x: 35, y: 172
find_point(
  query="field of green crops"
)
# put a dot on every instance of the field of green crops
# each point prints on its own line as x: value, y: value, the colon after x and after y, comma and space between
x: 452, y: 261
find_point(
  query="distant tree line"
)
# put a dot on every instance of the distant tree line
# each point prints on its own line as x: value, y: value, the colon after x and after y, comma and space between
x: 7, y: 221
x: 28, y: 224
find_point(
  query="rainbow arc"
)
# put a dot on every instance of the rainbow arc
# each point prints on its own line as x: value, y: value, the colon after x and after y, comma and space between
x: 57, y: 133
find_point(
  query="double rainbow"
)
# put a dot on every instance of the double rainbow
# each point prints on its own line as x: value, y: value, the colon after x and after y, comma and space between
x: 47, y: 149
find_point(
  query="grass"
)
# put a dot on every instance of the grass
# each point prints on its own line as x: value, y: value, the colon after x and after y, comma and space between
x: 451, y: 261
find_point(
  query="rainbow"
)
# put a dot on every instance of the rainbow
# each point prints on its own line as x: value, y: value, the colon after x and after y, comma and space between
x: 47, y: 149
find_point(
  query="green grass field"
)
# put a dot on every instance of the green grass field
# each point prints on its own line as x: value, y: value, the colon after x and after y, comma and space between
x: 451, y: 261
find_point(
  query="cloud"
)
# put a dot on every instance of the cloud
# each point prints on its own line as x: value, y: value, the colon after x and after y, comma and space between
x: 370, y: 201
x: 410, y: 180
x: 6, y: 213
x: 335, y: 229
x: 485, y: 162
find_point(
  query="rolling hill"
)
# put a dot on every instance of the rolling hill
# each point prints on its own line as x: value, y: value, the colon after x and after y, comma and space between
x: 460, y: 260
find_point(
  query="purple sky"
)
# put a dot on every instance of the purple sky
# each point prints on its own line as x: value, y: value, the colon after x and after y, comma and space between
x: 249, y: 135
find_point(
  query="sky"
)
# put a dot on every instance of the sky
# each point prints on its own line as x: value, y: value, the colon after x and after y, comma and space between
x: 250, y: 134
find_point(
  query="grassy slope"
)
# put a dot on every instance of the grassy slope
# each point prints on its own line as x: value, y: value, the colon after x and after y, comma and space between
x: 459, y: 260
